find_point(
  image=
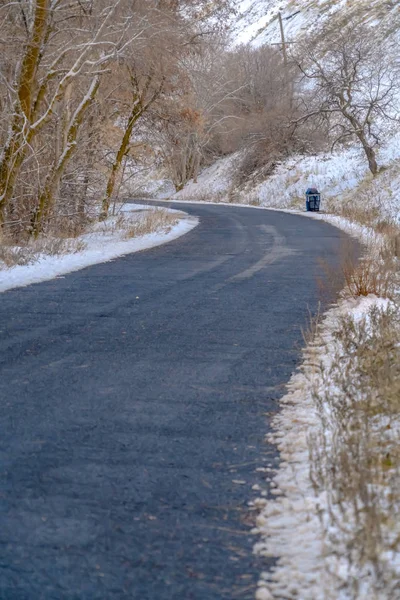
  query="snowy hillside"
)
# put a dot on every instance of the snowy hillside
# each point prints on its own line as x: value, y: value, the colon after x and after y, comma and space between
x: 342, y: 176
x: 257, y: 20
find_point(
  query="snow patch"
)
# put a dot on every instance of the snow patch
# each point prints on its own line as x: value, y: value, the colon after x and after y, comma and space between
x: 99, y: 247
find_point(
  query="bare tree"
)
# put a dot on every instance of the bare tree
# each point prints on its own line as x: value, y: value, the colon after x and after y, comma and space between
x: 351, y: 85
x: 179, y: 136
x: 56, y: 75
x: 144, y: 92
x: 53, y: 59
x: 264, y: 100
x: 158, y: 83
x: 46, y: 197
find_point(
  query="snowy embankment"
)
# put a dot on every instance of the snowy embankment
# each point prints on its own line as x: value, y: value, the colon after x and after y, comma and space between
x: 334, y: 519
x: 256, y: 21
x: 342, y: 177
x: 105, y: 241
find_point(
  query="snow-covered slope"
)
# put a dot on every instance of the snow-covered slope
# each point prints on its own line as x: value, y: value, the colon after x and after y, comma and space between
x: 343, y: 178
x: 257, y: 19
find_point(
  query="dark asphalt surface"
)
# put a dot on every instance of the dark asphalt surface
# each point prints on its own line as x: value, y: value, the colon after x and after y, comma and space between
x: 135, y: 397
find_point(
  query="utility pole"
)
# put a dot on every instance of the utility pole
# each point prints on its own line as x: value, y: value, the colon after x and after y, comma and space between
x: 284, y: 44
x: 284, y: 50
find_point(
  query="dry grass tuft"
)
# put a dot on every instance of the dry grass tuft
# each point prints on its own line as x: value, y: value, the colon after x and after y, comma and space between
x: 365, y: 206
x: 29, y: 251
x: 356, y: 456
x: 377, y: 272
x: 370, y: 276
x: 151, y: 221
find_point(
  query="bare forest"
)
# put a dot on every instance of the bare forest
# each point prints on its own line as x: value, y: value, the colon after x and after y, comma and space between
x: 90, y: 90
x: 82, y: 82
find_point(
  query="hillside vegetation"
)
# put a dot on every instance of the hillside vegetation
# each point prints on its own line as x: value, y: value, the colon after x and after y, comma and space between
x: 344, y: 77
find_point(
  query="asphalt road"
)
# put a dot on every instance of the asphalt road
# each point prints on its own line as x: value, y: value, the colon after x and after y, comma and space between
x: 135, y: 399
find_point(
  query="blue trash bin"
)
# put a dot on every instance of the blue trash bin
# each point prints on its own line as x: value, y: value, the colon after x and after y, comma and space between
x: 313, y: 200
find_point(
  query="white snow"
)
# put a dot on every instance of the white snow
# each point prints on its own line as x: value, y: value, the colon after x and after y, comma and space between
x: 103, y: 244
x: 213, y: 183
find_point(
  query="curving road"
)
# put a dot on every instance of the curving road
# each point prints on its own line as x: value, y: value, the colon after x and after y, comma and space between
x: 135, y: 397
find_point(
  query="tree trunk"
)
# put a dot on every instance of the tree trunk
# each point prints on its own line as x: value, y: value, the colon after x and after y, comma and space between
x: 81, y: 208
x: 46, y: 198
x: 21, y: 133
x: 136, y: 113
x: 371, y: 156
x: 360, y: 133
x: 139, y: 107
x: 196, y: 165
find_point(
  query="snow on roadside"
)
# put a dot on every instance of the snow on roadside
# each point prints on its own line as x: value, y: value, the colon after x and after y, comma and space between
x: 298, y: 524
x: 103, y: 244
x: 293, y: 525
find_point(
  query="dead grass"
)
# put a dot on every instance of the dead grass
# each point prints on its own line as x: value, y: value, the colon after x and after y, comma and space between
x: 296, y: 203
x: 371, y: 275
x: 356, y: 457
x: 131, y: 224
x: 367, y: 216
x: 150, y: 221
x: 367, y: 205
x: 376, y: 272
x: 29, y: 251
